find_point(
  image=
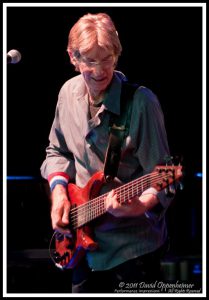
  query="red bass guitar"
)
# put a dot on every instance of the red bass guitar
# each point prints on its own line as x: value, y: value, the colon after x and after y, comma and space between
x: 87, y: 205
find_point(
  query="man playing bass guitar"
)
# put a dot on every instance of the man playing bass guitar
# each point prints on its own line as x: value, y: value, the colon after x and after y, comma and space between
x: 127, y: 232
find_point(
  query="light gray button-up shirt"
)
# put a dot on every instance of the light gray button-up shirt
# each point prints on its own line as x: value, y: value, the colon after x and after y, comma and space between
x: 78, y: 146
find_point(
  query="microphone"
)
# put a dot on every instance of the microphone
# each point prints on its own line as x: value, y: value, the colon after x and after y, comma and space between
x: 13, y: 56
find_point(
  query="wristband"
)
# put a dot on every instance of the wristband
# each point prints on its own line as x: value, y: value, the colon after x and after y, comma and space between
x: 58, y: 178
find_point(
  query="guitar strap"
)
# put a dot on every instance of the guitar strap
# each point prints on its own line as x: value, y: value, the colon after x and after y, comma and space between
x: 118, y: 130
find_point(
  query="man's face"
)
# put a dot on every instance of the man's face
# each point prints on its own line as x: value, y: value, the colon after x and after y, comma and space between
x: 97, y: 66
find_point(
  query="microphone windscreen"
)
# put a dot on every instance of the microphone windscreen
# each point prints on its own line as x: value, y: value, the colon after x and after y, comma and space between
x: 15, y: 56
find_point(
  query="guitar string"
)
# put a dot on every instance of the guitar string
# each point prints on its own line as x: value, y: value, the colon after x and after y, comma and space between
x: 84, y: 218
x: 86, y: 215
x: 93, y: 213
x: 122, y: 193
x: 144, y: 181
x: 124, y: 188
x: 120, y: 190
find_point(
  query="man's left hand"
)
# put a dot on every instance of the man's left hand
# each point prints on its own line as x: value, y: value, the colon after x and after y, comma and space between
x: 134, y: 207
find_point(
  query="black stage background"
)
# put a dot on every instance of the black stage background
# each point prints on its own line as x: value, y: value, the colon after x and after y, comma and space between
x: 162, y: 49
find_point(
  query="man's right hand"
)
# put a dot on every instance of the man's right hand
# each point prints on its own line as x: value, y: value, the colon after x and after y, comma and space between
x: 60, y: 210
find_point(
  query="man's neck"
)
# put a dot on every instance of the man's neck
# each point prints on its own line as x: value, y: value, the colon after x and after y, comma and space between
x: 96, y: 99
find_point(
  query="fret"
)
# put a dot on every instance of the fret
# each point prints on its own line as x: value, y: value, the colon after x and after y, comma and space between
x: 123, y: 197
x: 132, y: 190
x: 148, y: 181
x: 90, y: 210
x: 137, y: 189
x: 142, y: 187
x: 119, y: 193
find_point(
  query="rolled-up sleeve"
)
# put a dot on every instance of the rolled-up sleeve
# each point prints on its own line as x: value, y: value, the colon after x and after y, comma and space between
x: 153, y: 146
x: 58, y: 157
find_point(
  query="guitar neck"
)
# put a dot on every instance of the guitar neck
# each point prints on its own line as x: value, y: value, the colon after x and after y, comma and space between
x: 96, y: 207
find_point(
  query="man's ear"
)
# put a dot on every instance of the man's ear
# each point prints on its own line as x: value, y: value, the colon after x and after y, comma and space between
x: 72, y: 57
x: 73, y: 60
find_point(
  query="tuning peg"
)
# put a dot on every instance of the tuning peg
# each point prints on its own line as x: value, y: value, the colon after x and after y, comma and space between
x: 170, y: 190
x: 168, y: 159
x: 181, y: 186
x: 178, y: 159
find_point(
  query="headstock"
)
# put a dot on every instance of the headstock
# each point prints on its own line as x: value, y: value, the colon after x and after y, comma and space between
x: 167, y: 175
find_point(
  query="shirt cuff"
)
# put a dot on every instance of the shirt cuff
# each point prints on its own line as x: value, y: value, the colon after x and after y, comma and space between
x: 58, y: 178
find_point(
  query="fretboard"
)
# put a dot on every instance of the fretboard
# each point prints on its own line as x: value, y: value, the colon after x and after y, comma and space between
x: 94, y: 208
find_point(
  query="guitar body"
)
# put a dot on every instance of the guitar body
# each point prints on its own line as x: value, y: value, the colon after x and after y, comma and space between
x: 72, y: 250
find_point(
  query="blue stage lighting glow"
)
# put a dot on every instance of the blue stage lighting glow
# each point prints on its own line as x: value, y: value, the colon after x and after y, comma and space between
x: 20, y: 177
x: 198, y: 174
x: 197, y: 269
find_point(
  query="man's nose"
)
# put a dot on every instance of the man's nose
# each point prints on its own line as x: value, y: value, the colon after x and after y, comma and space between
x: 98, y: 69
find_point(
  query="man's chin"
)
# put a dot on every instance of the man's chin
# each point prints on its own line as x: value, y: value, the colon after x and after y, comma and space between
x: 101, y: 83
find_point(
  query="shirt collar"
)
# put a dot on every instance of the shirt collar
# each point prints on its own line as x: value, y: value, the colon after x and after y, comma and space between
x: 79, y: 89
x: 112, y: 102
